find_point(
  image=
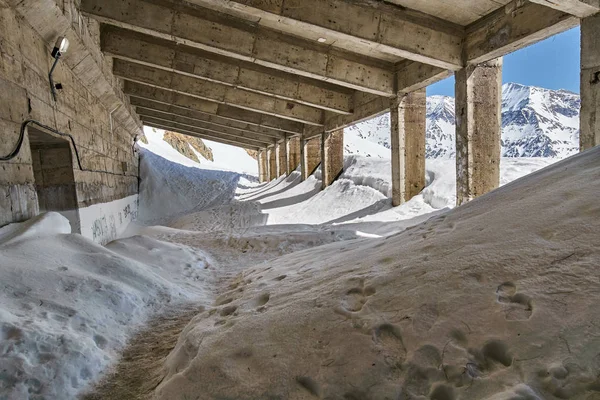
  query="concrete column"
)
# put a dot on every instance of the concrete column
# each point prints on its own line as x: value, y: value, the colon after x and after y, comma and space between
x: 325, y: 178
x: 332, y: 156
x: 311, y: 156
x: 262, y: 167
x: 589, y: 134
x: 272, y: 163
x: 294, y: 153
x: 408, y: 121
x: 478, y: 129
x: 283, y: 157
x: 277, y: 160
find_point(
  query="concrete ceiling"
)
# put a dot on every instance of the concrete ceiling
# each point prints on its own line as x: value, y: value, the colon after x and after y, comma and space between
x: 259, y: 71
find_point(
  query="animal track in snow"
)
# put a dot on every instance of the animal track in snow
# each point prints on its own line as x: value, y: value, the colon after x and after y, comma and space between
x: 517, y: 306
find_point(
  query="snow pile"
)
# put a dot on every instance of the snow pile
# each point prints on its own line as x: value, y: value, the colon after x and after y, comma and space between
x: 69, y: 305
x: 493, y: 300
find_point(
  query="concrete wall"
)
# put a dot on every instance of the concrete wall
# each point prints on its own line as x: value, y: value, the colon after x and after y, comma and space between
x: 28, y: 29
x: 294, y: 151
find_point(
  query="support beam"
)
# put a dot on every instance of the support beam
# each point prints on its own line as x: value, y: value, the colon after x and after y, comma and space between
x: 278, y: 160
x: 262, y: 166
x: 185, y: 129
x: 201, y: 135
x: 578, y: 8
x: 158, y: 53
x: 294, y: 153
x: 311, y: 156
x: 217, y: 92
x: 140, y: 91
x: 478, y: 129
x: 143, y: 104
x: 183, y: 121
x: 364, y: 26
x: 268, y: 162
x: 231, y: 37
x: 332, y: 156
x: 408, y: 121
x: 272, y: 163
x: 283, y: 157
x: 512, y: 27
x: 589, y: 134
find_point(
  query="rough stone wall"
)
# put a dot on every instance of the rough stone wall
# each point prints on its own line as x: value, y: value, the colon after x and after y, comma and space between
x: 90, y: 107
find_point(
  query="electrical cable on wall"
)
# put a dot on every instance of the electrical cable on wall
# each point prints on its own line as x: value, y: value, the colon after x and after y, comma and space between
x: 17, y: 148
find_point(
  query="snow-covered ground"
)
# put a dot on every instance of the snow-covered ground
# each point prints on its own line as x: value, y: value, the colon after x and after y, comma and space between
x: 69, y: 306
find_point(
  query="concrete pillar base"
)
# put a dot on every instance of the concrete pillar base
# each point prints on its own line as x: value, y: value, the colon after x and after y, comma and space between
x: 262, y: 166
x: 478, y: 129
x: 589, y: 134
x: 294, y: 153
x: 311, y: 156
x: 332, y: 156
x: 408, y: 120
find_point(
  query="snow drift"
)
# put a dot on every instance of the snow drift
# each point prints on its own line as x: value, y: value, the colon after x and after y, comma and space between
x: 493, y: 300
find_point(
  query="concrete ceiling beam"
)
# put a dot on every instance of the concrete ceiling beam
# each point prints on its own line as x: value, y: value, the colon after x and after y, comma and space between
x: 140, y: 91
x: 578, y: 8
x: 143, y: 104
x: 192, y: 123
x: 147, y: 50
x: 362, y: 26
x: 411, y: 76
x: 512, y: 27
x: 157, y: 123
x: 217, y: 92
x: 217, y: 33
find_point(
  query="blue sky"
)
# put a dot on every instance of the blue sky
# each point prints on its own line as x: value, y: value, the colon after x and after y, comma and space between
x: 552, y: 63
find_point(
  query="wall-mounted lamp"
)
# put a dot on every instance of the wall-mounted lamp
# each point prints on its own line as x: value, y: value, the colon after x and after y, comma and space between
x: 60, y: 47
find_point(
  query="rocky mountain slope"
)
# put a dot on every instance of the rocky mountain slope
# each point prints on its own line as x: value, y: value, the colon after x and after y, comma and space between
x: 536, y: 122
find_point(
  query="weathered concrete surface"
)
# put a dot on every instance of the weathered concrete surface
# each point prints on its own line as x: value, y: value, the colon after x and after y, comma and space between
x: 91, y: 107
x: 262, y: 166
x: 512, y: 27
x: 332, y: 156
x: 478, y: 129
x: 177, y: 100
x: 310, y: 157
x: 217, y: 130
x: 294, y: 153
x: 283, y: 157
x: 158, y: 53
x: 143, y: 104
x: 578, y: 8
x: 238, y: 39
x: 377, y: 29
x: 217, y: 92
x: 589, y: 135
x: 273, y: 165
x: 408, y: 122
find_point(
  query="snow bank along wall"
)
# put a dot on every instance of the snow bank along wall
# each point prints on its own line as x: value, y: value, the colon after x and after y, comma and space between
x: 100, y: 198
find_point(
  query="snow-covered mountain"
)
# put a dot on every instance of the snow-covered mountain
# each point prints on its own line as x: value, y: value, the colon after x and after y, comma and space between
x: 536, y: 122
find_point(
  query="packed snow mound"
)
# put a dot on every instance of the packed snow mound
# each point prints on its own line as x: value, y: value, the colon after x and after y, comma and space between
x: 493, y: 300
x: 51, y: 223
x: 169, y: 189
x: 69, y: 305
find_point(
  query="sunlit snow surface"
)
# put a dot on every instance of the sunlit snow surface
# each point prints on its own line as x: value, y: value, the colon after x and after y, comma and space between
x: 69, y: 305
